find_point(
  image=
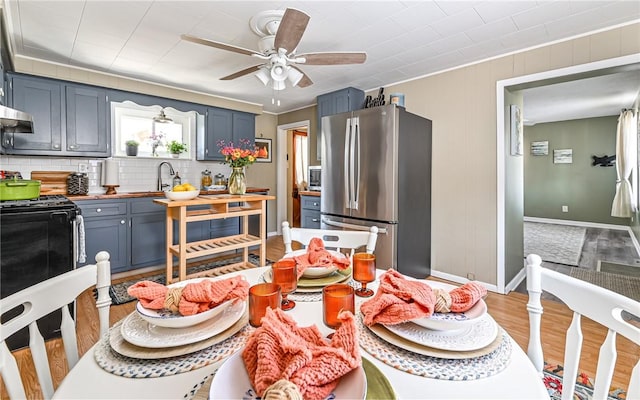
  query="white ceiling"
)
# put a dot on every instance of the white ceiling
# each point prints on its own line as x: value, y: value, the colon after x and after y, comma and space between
x: 403, y: 39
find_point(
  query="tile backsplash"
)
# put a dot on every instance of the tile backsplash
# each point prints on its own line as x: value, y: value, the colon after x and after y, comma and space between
x: 136, y: 174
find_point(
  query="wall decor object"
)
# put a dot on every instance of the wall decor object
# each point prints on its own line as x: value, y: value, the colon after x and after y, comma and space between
x: 605, y: 161
x: 517, y: 131
x: 563, y: 156
x: 264, y: 150
x: 540, y: 148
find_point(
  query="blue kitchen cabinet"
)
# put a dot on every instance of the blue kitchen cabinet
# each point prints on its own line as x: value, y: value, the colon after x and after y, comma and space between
x: 68, y: 119
x: 348, y: 99
x: 43, y: 99
x: 86, y: 119
x: 106, y: 227
x: 309, y: 212
x: 226, y: 125
x: 148, y: 232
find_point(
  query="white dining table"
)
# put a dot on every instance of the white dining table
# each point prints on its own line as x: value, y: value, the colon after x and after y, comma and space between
x: 87, y: 380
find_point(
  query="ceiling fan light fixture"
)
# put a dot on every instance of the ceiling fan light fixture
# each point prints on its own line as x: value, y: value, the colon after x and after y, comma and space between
x: 278, y: 85
x: 162, y: 118
x: 279, y: 72
x: 264, y: 76
x: 294, y: 76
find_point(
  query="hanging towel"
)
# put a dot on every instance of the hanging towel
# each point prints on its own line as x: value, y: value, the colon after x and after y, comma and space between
x: 82, y: 251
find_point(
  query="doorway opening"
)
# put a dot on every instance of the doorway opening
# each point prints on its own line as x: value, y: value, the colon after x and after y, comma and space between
x: 510, y: 183
x: 286, y: 168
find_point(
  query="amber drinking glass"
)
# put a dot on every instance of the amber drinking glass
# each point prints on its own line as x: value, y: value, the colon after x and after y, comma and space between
x: 261, y: 297
x: 335, y: 299
x: 364, y: 271
x: 285, y: 274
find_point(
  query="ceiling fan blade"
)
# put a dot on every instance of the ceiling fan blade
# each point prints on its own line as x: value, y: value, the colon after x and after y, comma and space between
x: 219, y: 45
x: 305, y: 81
x: 290, y: 30
x: 338, y: 58
x: 242, y: 73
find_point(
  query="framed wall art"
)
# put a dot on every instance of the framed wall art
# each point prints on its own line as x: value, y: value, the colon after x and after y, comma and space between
x: 264, y: 149
x: 540, y: 148
x: 517, y: 131
x: 563, y: 156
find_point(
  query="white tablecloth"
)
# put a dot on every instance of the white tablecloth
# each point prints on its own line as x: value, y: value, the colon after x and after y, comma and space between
x: 519, y: 380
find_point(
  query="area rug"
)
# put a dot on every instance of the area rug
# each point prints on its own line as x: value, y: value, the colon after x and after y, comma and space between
x: 118, y: 291
x: 620, y: 269
x: 625, y: 285
x: 560, y: 244
x: 584, y: 385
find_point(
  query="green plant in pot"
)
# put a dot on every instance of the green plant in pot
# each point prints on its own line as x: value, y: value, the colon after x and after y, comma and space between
x: 175, y: 148
x: 132, y: 147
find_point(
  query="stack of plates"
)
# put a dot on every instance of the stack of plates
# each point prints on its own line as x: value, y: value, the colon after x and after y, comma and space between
x: 446, y: 335
x: 151, y: 334
x: 315, y: 278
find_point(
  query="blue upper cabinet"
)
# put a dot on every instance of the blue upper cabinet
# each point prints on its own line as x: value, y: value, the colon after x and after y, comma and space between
x: 87, y: 120
x: 227, y: 125
x: 348, y: 99
x: 68, y: 119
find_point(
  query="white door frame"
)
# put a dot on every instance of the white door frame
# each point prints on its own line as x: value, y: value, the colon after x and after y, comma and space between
x: 503, y: 147
x: 281, y: 167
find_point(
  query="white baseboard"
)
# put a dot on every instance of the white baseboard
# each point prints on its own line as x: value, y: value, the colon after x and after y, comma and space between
x: 517, y: 280
x: 458, y: 279
x: 634, y: 240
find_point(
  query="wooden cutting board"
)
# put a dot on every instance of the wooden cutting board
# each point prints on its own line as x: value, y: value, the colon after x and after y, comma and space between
x: 53, y: 182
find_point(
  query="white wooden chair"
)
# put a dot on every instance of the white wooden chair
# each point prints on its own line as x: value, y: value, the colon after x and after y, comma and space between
x: 333, y: 239
x: 41, y: 299
x: 594, y: 302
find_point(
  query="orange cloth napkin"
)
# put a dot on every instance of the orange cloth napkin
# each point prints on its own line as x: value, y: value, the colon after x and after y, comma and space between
x: 399, y: 300
x: 279, y: 349
x: 318, y: 256
x: 195, y: 297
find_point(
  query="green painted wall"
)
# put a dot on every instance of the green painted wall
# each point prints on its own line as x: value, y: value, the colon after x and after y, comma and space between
x: 587, y: 190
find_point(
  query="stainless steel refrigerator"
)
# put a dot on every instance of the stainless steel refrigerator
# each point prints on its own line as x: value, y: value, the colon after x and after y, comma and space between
x: 376, y: 170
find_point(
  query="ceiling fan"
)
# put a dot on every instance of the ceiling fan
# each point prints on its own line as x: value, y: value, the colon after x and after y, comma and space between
x: 280, y: 34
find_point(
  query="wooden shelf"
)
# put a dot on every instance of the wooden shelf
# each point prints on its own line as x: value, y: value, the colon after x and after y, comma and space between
x: 220, y: 206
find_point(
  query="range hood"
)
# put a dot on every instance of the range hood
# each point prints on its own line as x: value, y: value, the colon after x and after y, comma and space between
x: 15, y: 121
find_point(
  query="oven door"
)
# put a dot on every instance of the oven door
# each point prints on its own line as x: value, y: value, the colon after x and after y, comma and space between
x: 35, y: 246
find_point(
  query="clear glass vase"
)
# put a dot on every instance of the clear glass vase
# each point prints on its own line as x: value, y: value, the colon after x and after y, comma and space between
x: 237, y: 181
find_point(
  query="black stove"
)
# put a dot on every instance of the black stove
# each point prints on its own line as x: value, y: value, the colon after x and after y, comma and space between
x: 38, y: 240
x: 49, y: 202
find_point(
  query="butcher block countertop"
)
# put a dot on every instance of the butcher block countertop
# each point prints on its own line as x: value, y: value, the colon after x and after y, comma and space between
x: 151, y: 194
x: 309, y: 193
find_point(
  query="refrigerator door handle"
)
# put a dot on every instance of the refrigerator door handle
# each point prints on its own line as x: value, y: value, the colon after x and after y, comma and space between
x: 351, y: 226
x: 355, y: 172
x: 346, y: 170
x: 352, y: 156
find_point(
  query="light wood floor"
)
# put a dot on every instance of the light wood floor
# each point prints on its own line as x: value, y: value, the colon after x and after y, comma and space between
x: 509, y: 311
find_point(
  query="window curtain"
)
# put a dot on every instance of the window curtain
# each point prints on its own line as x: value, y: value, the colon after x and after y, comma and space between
x: 624, y: 202
x: 302, y: 158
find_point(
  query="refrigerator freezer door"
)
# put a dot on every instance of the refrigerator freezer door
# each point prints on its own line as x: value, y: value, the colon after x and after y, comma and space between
x: 375, y: 170
x: 335, y: 164
x: 386, y: 246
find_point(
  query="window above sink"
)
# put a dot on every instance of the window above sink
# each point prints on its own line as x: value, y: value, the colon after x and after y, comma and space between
x: 152, y: 126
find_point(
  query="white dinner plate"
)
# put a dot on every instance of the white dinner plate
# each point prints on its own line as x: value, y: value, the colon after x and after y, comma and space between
x: 316, y: 272
x: 168, y: 319
x: 351, y: 386
x: 137, y: 331
x: 451, y: 321
x: 474, y: 336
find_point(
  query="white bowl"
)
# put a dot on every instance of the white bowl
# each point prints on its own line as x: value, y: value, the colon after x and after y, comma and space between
x: 167, y: 319
x: 218, y: 187
x: 188, y: 195
x: 316, y: 272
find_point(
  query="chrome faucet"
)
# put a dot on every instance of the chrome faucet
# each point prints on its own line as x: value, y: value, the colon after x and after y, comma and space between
x: 162, y: 186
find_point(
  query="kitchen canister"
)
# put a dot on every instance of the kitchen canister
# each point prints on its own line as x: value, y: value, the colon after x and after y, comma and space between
x: 78, y: 183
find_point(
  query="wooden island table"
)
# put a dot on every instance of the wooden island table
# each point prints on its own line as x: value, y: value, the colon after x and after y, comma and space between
x: 220, y: 206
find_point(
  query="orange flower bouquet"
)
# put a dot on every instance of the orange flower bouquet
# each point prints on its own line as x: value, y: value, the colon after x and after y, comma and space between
x: 238, y: 156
